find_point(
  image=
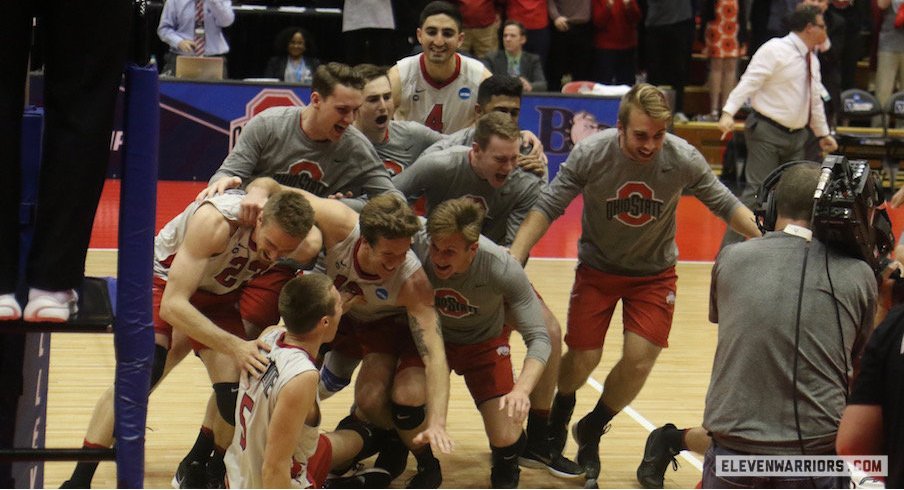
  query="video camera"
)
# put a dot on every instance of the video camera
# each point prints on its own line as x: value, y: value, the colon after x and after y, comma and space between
x: 846, y: 213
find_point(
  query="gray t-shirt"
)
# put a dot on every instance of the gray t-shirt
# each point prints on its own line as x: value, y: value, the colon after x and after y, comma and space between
x: 406, y: 141
x: 753, y: 297
x: 462, y: 137
x: 474, y: 305
x: 273, y: 145
x: 448, y: 175
x: 628, y: 223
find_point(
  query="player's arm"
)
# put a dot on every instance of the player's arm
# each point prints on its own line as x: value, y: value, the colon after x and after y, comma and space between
x: 309, y: 248
x: 335, y: 220
x: 206, y: 235
x: 417, y: 297
x: 743, y: 222
x: 293, y: 406
x: 395, y: 83
x: 860, y: 431
x: 529, y: 233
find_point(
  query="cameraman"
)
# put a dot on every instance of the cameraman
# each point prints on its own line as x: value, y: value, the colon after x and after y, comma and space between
x: 791, y: 313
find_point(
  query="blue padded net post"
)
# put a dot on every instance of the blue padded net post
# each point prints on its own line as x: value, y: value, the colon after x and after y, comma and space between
x: 133, y: 327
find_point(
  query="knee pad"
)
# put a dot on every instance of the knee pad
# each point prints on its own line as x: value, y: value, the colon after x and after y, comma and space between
x: 226, y: 393
x: 160, y: 353
x: 406, y: 417
x: 370, y: 435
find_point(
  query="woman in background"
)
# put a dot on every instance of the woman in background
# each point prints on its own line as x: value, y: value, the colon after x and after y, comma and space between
x: 291, y: 65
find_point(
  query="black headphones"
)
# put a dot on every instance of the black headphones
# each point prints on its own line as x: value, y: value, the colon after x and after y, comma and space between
x: 764, y: 208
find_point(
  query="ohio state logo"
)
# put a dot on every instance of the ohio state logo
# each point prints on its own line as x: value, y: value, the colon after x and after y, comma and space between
x: 634, y: 204
x: 394, y: 167
x: 304, y: 174
x: 312, y: 169
x: 452, y: 304
x: 265, y: 99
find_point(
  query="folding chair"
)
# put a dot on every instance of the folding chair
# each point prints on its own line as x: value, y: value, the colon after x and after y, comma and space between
x: 862, y: 108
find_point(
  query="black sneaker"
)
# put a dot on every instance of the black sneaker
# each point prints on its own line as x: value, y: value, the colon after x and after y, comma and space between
x: 393, y: 456
x: 588, y: 441
x: 426, y: 477
x: 363, y: 478
x: 505, y: 476
x: 216, y: 473
x: 656, y: 458
x: 557, y: 465
x: 190, y: 474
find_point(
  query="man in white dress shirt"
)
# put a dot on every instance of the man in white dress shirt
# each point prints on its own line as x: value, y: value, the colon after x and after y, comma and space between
x: 785, y: 101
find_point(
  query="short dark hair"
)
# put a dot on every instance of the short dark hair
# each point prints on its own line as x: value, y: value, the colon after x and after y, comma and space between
x: 440, y: 7
x: 794, y: 191
x: 369, y: 72
x: 498, y: 85
x: 495, y: 124
x: 327, y: 76
x: 801, y: 17
x: 515, y: 23
x: 281, y: 41
x: 304, y: 300
x: 387, y: 216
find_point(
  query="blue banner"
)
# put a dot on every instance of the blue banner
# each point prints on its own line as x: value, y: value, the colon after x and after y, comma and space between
x: 200, y: 122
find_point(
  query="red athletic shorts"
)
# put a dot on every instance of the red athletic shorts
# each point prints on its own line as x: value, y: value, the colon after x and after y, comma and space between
x: 648, y: 304
x: 257, y: 302
x: 388, y: 335
x: 319, y: 463
x: 486, y: 366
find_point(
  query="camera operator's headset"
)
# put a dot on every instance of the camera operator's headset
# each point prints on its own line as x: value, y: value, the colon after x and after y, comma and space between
x: 766, y: 213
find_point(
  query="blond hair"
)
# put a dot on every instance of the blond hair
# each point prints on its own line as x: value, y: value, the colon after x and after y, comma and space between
x: 648, y: 99
x: 461, y: 215
x: 387, y: 216
x: 291, y: 211
x: 495, y: 124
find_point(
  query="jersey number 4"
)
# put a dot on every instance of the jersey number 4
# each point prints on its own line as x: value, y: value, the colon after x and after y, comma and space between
x: 246, y: 407
x: 435, y: 118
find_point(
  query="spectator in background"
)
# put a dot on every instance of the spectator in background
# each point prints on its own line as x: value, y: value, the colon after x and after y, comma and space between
x: 194, y: 28
x: 571, y: 41
x: 615, y: 41
x: 480, y: 24
x: 829, y: 54
x: 854, y: 15
x: 368, y: 32
x: 890, y: 63
x: 291, y: 65
x: 516, y: 62
x: 532, y: 15
x: 670, y: 36
x: 725, y: 31
x: 766, y: 21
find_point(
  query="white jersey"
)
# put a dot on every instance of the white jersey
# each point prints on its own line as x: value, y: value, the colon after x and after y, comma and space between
x: 256, y: 403
x: 445, y: 107
x: 226, y: 272
x: 380, y: 297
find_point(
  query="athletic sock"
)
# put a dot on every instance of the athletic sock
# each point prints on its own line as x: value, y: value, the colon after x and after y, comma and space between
x: 203, y: 446
x: 600, y: 415
x: 537, y: 428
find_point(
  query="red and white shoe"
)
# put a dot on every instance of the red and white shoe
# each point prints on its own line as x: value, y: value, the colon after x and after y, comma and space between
x: 50, y: 306
x: 9, y: 307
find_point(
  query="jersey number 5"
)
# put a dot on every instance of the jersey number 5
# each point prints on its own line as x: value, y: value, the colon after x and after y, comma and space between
x: 246, y: 407
x: 435, y: 118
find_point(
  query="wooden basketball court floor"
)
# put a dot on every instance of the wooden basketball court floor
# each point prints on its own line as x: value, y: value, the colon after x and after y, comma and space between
x: 82, y: 367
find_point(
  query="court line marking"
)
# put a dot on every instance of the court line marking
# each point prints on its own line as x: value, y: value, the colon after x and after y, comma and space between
x: 646, y: 424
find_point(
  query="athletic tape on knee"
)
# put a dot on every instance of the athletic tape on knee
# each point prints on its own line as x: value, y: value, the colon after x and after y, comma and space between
x: 330, y: 383
x: 406, y: 417
x: 160, y: 353
x: 371, y: 436
x: 227, y: 393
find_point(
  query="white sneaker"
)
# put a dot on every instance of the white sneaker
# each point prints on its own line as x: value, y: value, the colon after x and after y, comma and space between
x: 50, y: 306
x: 9, y: 307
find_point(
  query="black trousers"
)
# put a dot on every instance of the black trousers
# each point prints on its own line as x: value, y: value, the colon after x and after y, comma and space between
x: 570, y: 52
x: 86, y: 43
x: 669, y: 56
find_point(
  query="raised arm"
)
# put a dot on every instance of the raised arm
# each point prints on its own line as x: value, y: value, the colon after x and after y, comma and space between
x: 294, y: 404
x: 417, y: 297
x: 207, y: 235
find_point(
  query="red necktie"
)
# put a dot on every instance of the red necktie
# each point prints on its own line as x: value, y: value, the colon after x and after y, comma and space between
x: 199, y: 27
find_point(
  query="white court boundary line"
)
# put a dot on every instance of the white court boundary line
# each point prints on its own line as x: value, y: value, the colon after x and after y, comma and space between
x: 646, y: 424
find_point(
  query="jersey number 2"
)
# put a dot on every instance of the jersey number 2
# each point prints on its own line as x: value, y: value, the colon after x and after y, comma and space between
x: 435, y: 118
